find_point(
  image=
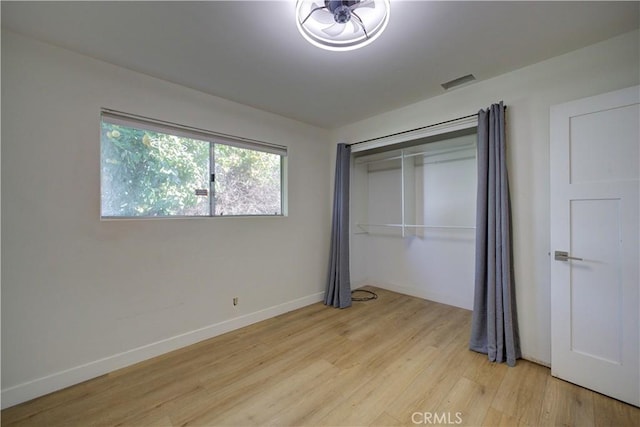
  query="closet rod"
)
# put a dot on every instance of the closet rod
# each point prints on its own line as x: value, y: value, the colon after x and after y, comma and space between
x: 415, y: 129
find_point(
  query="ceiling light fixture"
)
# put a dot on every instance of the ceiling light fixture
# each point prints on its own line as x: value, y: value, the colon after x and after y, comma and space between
x: 342, y: 25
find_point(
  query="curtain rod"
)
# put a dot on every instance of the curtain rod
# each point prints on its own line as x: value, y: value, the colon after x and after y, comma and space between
x: 415, y: 129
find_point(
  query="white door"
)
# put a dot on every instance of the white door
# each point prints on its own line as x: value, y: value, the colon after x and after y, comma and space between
x: 595, y: 278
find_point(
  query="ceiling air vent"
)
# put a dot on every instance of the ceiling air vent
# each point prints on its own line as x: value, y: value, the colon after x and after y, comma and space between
x: 457, y: 82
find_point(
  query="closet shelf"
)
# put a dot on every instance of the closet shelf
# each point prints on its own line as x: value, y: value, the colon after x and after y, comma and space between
x: 414, y: 195
x: 426, y: 153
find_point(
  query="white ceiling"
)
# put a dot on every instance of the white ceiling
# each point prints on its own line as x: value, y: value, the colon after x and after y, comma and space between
x: 252, y: 53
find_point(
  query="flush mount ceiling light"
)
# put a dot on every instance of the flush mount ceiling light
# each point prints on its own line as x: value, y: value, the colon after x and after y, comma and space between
x: 342, y: 25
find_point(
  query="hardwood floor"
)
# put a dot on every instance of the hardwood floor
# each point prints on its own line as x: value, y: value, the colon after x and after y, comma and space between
x: 397, y: 360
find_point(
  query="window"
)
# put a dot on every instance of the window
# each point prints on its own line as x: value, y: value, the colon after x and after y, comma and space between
x: 155, y: 169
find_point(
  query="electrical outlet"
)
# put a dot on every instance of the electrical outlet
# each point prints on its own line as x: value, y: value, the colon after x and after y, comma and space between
x: 235, y: 300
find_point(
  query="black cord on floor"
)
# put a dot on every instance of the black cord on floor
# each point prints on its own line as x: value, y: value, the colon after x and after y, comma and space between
x: 372, y: 295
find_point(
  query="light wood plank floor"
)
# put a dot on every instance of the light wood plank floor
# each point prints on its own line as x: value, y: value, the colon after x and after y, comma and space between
x: 377, y: 363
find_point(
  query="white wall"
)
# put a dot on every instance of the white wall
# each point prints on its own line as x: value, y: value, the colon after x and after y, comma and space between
x: 528, y: 92
x: 432, y: 263
x: 81, y: 296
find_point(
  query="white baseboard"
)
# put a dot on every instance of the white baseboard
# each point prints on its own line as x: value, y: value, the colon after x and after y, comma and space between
x: 537, y: 361
x: 419, y: 293
x: 29, y: 390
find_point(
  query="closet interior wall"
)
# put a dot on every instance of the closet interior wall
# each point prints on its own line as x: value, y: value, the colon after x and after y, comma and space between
x: 413, y: 218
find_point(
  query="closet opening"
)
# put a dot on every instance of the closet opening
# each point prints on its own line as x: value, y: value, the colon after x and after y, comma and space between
x: 413, y: 214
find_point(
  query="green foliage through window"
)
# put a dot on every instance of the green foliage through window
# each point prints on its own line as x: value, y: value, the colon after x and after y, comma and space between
x: 247, y: 182
x: 147, y: 173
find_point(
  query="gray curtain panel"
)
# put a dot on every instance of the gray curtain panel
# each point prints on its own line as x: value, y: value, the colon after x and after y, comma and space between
x: 338, y: 292
x: 494, y: 328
